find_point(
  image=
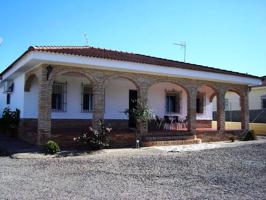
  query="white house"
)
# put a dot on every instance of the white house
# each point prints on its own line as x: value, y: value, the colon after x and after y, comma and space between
x: 64, y: 89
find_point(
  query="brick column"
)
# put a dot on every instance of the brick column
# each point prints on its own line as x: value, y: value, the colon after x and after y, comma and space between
x: 143, y: 98
x: 191, y: 109
x: 98, y: 104
x: 244, y: 110
x: 220, y: 111
x: 44, y: 115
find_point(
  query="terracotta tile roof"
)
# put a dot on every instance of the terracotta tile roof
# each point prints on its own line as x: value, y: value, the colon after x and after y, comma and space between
x: 124, y: 56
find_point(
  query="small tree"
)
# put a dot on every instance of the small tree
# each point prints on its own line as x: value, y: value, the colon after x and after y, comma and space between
x: 142, y: 112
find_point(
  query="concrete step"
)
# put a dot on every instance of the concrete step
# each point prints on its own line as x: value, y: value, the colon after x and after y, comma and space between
x: 171, y: 142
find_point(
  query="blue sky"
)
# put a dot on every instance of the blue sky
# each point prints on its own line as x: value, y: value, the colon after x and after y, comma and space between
x: 228, y: 34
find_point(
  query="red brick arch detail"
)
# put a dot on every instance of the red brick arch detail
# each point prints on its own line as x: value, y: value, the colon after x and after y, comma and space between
x: 169, y: 81
x: 214, y: 88
x: 58, y: 73
x: 29, y: 81
x: 123, y: 76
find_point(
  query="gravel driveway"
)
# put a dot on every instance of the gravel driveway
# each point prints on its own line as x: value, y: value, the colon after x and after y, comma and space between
x: 224, y: 173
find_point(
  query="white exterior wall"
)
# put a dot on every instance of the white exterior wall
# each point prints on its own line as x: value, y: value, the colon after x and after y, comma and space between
x: 2, y: 99
x: 208, y: 106
x: 31, y: 104
x: 156, y: 100
x: 117, y: 98
x: 73, y: 110
x: 16, y: 97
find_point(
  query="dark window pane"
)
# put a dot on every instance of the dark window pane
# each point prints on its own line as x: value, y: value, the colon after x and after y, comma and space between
x: 171, y: 103
x: 198, y: 105
x: 8, y: 99
x: 264, y: 103
x: 86, y: 102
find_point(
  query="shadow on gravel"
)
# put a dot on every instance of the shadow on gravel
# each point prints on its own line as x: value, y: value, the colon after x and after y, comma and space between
x: 71, y: 153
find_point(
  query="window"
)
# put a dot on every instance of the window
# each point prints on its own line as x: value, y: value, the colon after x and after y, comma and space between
x: 263, y: 102
x: 172, y: 102
x: 86, y: 98
x: 59, y: 97
x: 8, y: 98
x: 200, y: 103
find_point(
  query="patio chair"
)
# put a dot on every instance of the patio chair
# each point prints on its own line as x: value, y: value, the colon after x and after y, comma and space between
x: 167, y: 123
x: 158, y: 122
x: 176, y: 122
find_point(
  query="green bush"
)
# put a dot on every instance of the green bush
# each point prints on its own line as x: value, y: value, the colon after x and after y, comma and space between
x: 10, y: 121
x: 250, y: 135
x: 52, y: 147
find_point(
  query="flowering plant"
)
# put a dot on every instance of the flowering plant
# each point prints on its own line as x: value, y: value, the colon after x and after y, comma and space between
x: 94, y: 139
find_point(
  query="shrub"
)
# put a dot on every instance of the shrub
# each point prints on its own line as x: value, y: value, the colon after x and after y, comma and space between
x: 232, y: 138
x: 142, y: 112
x: 52, y: 147
x: 250, y: 135
x: 94, y: 139
x: 10, y: 120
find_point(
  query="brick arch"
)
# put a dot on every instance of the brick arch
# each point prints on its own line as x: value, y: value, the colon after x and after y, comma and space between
x: 29, y: 81
x: 127, y: 77
x: 236, y: 90
x: 182, y: 85
x: 213, y: 87
x: 57, y: 73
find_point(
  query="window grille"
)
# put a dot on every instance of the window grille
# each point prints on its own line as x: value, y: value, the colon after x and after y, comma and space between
x: 86, y: 98
x: 59, y: 97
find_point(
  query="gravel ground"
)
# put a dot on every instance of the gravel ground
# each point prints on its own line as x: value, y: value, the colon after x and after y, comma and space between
x: 225, y: 173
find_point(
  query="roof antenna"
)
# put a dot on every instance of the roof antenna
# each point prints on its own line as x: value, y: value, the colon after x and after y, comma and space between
x: 183, y: 46
x: 86, y: 40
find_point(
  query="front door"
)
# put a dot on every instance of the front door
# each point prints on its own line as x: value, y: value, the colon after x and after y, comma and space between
x: 133, y: 96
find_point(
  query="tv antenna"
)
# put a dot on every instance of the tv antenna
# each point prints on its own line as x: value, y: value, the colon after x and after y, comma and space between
x: 86, y: 40
x: 183, y: 46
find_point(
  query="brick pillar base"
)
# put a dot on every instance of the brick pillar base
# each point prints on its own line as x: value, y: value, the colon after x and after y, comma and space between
x: 244, y: 111
x: 44, y: 118
x: 191, y: 110
x: 220, y: 111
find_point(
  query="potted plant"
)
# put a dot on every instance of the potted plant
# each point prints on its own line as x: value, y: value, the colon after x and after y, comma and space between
x: 142, y: 114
